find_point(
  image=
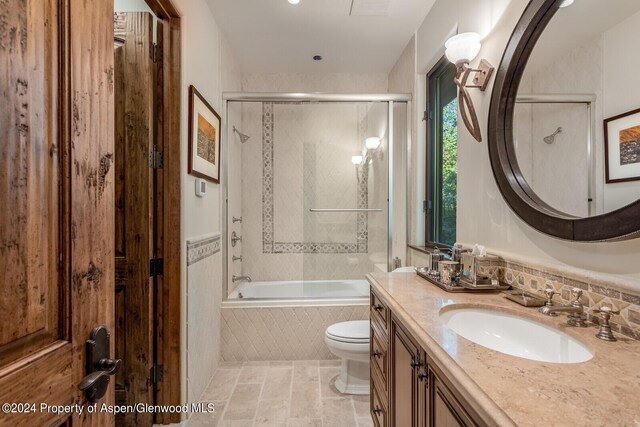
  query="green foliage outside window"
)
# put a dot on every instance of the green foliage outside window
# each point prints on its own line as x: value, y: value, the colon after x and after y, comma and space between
x: 449, y: 172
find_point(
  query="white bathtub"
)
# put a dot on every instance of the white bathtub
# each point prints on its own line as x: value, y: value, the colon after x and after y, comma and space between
x: 287, y: 320
x: 299, y: 291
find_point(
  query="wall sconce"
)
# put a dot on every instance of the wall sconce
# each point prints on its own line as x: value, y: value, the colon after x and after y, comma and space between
x: 372, y: 143
x: 356, y: 160
x: 461, y: 49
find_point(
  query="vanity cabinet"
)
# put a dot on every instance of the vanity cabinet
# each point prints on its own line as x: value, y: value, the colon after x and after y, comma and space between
x: 407, y: 388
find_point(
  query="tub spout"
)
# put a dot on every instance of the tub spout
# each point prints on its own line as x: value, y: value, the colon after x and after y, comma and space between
x: 235, y: 279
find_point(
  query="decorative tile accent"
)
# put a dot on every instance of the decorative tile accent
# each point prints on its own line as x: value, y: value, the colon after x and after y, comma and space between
x: 282, y: 333
x: 594, y: 295
x: 268, y: 244
x: 199, y: 249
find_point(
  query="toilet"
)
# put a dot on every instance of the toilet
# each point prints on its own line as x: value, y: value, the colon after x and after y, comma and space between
x: 350, y: 342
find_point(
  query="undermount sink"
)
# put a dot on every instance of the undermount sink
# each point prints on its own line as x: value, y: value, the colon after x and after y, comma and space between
x: 515, y: 335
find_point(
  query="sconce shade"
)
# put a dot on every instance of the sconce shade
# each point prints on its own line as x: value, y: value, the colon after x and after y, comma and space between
x: 372, y: 143
x: 462, y: 47
x: 356, y: 160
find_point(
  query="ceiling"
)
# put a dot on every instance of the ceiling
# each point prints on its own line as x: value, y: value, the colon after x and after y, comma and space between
x: 273, y: 36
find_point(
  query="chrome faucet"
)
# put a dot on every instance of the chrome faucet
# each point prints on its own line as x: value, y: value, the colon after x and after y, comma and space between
x: 575, y: 310
x: 235, y: 279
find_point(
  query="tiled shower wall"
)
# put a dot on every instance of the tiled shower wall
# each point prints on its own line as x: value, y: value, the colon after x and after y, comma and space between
x: 299, y: 158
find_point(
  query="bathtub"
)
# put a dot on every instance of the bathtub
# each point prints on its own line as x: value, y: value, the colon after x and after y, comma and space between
x: 302, y: 291
x: 287, y: 320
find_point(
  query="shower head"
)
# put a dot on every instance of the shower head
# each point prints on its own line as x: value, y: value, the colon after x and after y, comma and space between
x: 243, y: 138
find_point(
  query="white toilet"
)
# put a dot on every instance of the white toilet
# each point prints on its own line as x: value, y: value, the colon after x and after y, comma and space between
x: 350, y: 342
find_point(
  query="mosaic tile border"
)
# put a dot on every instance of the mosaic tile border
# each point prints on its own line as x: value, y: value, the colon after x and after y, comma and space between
x: 594, y: 295
x: 199, y: 249
x: 269, y: 246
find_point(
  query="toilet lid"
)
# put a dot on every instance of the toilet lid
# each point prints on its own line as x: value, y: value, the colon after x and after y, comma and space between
x: 353, y: 331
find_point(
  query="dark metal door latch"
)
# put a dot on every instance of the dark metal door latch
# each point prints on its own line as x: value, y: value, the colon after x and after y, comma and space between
x: 99, y: 366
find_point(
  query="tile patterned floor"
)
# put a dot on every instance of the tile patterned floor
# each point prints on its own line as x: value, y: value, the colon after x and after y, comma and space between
x: 281, y: 394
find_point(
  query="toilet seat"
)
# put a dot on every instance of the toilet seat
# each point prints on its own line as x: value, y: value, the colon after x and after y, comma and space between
x: 354, y: 332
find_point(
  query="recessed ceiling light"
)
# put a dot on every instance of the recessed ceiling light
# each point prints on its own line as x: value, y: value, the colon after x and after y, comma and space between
x: 294, y: 1
x: 317, y: 58
x: 566, y: 3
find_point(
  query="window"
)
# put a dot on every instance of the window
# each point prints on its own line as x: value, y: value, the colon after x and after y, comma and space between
x: 442, y: 154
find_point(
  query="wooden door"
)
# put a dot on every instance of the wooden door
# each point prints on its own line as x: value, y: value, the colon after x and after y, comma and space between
x: 405, y: 363
x: 56, y: 202
x: 134, y: 129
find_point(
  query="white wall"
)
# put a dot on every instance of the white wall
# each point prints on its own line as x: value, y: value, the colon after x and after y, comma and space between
x: 209, y: 65
x: 483, y: 214
x: 621, y: 95
x: 402, y: 79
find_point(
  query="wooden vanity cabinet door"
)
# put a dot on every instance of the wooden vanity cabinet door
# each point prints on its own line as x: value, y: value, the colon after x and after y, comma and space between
x: 446, y: 410
x: 404, y: 396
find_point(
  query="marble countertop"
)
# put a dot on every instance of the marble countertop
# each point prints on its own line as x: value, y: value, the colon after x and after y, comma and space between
x: 507, y: 390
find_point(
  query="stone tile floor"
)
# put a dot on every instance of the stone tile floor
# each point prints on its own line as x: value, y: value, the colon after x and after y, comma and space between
x: 296, y: 393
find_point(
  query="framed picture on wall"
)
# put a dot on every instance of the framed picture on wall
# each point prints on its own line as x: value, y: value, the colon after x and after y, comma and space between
x: 622, y: 147
x: 204, y: 138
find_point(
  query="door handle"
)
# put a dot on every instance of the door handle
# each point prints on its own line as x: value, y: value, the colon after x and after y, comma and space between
x: 99, y: 367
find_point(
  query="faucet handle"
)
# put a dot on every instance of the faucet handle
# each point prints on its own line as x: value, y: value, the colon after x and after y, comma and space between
x: 577, y: 294
x: 549, y: 292
x: 604, y: 333
x: 606, y: 311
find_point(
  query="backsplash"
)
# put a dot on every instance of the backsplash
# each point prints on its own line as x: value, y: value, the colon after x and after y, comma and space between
x: 596, y: 293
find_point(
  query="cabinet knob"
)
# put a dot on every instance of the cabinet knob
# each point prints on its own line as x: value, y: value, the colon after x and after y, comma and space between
x: 378, y: 307
x: 377, y: 410
x: 415, y: 363
x: 376, y: 354
x: 424, y: 376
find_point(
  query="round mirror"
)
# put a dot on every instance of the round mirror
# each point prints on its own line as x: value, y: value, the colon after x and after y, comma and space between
x: 564, y: 124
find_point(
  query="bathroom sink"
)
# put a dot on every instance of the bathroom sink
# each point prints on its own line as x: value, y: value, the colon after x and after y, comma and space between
x: 515, y: 335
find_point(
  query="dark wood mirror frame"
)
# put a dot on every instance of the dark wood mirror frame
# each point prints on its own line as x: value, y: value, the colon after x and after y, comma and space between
x: 620, y: 224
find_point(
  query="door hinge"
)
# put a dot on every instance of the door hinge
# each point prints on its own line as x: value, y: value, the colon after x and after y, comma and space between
x: 156, y: 267
x: 156, y: 53
x: 156, y: 158
x: 424, y: 206
x: 157, y: 374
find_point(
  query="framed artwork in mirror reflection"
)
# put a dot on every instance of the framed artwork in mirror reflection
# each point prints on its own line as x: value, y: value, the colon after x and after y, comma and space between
x: 622, y: 147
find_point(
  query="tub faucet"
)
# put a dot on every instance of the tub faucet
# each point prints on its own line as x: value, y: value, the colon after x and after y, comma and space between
x: 575, y: 310
x: 235, y: 279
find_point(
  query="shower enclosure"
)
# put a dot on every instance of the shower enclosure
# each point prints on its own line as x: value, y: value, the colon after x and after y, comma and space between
x: 308, y: 190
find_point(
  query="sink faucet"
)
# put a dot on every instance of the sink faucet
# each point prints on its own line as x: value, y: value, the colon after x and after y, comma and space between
x: 575, y: 310
x: 235, y: 279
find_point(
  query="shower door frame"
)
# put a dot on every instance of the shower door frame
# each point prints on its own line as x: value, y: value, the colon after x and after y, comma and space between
x: 389, y: 98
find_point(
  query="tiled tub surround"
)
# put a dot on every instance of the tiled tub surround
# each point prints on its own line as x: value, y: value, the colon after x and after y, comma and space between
x: 506, y: 390
x: 300, y: 159
x: 254, y: 333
